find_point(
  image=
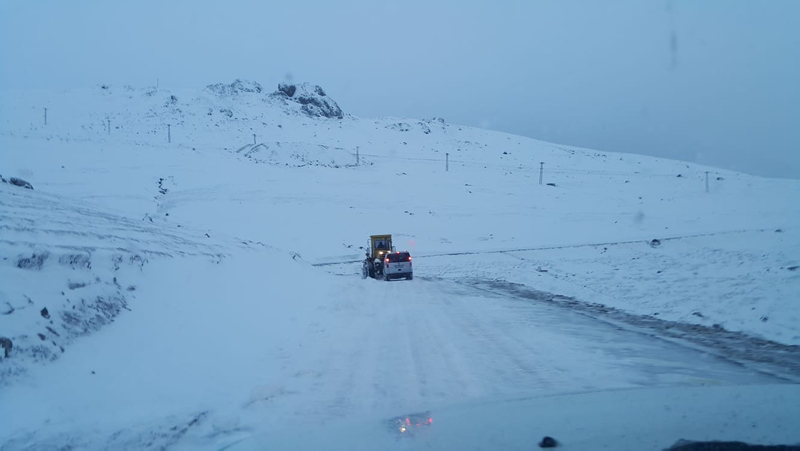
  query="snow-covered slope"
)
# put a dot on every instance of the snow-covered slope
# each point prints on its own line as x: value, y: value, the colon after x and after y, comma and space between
x: 489, y: 200
x: 193, y: 222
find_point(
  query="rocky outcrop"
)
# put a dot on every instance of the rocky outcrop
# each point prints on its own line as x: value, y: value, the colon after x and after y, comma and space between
x: 19, y: 182
x: 237, y: 87
x: 315, y: 102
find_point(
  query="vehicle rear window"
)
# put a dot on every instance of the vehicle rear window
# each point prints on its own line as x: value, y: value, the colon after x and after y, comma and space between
x: 401, y: 257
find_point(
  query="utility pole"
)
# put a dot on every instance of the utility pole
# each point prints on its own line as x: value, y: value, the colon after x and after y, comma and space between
x: 169, y: 133
x: 446, y: 162
x: 45, y: 116
x: 541, y: 171
x: 254, y: 139
x: 706, y: 181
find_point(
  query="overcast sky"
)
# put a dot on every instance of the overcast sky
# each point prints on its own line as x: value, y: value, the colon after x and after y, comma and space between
x: 711, y: 81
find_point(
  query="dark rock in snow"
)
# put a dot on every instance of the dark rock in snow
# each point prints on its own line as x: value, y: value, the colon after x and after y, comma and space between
x: 655, y: 243
x: 7, y: 345
x: 315, y: 102
x: 548, y: 442
x: 45, y: 314
x: 287, y: 89
x: 76, y: 261
x: 551, y: 184
x: 19, y: 182
x: 793, y: 268
x: 35, y: 261
x: 2, y: 179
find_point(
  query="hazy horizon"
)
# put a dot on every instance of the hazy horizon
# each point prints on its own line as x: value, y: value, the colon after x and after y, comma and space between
x: 711, y: 82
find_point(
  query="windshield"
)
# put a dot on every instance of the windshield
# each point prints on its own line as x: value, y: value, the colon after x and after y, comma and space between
x: 408, y: 224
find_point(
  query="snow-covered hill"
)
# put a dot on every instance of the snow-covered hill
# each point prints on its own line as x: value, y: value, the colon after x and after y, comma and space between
x: 192, y: 221
x: 356, y: 176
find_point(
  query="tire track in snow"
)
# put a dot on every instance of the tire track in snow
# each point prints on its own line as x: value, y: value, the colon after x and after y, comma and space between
x: 512, y: 361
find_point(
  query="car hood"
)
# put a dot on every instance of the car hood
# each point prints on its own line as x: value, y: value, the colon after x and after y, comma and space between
x: 635, y: 419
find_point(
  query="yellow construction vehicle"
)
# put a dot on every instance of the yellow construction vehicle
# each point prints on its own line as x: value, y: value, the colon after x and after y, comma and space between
x: 384, y: 261
x: 377, y: 247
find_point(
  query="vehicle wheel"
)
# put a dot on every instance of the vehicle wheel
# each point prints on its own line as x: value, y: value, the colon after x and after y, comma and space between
x: 410, y: 276
x: 386, y: 276
x: 364, y: 272
x: 371, y: 270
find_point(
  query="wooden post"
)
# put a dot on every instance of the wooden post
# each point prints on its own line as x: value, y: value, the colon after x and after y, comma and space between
x: 541, y: 171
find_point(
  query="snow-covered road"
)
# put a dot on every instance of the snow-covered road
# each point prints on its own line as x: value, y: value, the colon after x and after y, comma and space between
x: 427, y: 342
x: 361, y: 350
x: 425, y: 345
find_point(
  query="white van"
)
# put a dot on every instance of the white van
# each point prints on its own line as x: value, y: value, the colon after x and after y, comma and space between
x: 397, y: 265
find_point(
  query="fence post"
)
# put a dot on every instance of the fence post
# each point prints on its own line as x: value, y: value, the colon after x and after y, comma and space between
x: 541, y: 171
x: 254, y: 139
x: 45, y: 116
x: 447, y: 162
x: 108, y: 121
x: 706, y: 181
x: 358, y: 157
x: 169, y: 133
